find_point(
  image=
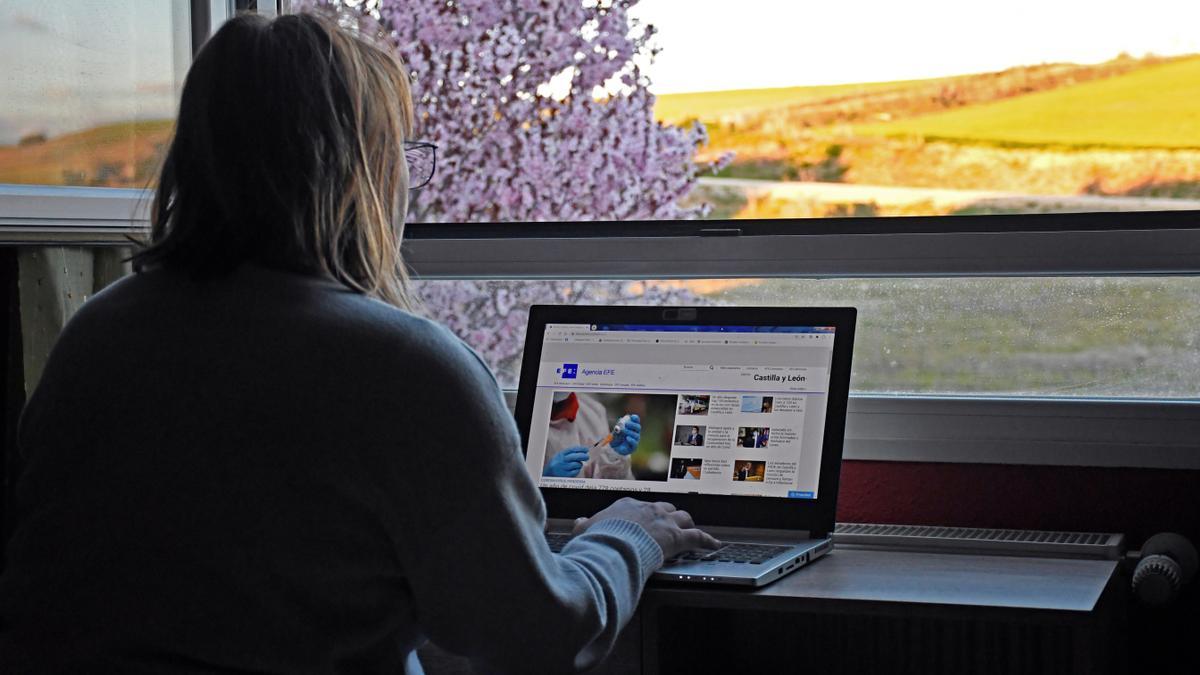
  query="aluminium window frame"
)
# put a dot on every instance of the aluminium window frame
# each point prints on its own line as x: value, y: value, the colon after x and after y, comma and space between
x: 1006, y: 430
x: 1162, y: 242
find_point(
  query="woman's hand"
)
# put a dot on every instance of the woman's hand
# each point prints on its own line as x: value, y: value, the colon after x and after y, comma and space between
x: 671, y: 528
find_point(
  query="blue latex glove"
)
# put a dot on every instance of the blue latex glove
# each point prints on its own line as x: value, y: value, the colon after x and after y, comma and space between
x: 567, y: 463
x: 625, y: 442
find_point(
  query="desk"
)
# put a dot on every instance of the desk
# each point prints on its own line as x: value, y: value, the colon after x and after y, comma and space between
x: 862, y: 610
x: 859, y: 610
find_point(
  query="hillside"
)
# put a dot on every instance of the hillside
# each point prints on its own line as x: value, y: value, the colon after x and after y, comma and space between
x: 124, y: 154
x: 1155, y: 107
x: 777, y: 112
x: 1126, y: 127
x: 713, y: 105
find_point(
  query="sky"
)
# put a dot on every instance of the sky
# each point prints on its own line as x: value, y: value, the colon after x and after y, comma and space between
x: 712, y: 45
x: 73, y: 64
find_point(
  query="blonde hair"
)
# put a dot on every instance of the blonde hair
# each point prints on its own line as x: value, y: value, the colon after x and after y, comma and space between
x: 288, y: 152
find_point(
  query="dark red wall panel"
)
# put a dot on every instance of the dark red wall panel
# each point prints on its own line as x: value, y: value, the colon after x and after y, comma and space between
x: 1137, y: 502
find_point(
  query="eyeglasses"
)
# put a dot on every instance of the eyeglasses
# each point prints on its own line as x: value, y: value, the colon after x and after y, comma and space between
x: 422, y: 160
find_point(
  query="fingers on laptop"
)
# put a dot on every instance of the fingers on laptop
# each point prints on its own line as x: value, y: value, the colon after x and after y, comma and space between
x: 683, y: 519
x: 696, y: 538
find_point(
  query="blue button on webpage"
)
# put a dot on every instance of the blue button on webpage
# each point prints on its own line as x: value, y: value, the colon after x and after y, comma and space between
x: 799, y: 494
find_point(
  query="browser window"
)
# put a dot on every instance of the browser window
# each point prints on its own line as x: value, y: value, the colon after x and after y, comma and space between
x: 721, y: 410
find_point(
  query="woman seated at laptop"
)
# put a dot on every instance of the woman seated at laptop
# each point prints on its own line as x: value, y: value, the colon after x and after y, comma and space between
x: 226, y: 461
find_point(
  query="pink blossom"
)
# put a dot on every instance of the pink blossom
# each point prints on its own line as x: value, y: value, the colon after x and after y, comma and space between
x: 513, y: 149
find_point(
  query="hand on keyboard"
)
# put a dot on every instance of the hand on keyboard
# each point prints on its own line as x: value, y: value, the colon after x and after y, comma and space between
x: 671, y: 528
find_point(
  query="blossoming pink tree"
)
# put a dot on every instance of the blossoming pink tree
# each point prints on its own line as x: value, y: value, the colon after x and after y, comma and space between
x: 540, y: 113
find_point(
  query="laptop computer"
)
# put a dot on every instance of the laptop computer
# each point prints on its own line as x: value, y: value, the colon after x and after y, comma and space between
x: 742, y: 415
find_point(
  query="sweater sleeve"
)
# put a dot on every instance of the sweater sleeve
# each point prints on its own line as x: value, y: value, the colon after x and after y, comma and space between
x: 469, y: 536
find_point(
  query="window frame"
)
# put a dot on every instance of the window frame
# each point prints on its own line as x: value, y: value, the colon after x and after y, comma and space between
x: 955, y: 429
x: 52, y: 215
x: 1162, y: 242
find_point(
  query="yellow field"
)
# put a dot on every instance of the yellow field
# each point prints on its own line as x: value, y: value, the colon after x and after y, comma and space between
x: 709, y: 106
x: 1123, y: 127
x: 1155, y: 107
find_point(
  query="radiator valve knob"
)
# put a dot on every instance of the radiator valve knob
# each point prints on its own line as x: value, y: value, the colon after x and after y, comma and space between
x: 1168, y: 562
x: 1157, y: 580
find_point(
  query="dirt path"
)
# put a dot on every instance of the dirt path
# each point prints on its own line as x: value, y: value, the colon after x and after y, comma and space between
x: 940, y: 200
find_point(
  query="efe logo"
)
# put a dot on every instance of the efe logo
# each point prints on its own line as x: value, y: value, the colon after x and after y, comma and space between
x: 568, y: 371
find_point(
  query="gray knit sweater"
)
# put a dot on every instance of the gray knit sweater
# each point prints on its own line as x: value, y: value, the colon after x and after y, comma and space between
x: 270, y: 473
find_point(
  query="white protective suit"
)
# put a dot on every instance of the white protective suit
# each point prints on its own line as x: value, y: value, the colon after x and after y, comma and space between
x: 591, y: 424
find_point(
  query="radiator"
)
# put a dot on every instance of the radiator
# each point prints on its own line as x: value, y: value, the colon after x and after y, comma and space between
x: 1096, y: 545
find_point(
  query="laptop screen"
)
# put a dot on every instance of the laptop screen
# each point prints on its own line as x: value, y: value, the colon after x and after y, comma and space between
x: 714, y: 410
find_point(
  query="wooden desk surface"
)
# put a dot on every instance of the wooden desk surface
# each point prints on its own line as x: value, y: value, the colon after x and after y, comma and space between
x: 976, y: 581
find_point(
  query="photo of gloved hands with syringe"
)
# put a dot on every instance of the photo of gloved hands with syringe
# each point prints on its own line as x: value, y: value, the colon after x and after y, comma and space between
x: 603, y: 435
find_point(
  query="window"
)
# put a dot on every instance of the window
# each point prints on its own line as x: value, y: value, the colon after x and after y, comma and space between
x: 90, y: 89
x: 913, y: 110
x: 1016, y: 331
x: 1089, y: 337
x: 803, y: 111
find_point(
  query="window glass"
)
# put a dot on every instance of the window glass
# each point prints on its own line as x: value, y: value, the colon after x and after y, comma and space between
x: 89, y: 90
x: 1063, y: 336
x: 547, y: 111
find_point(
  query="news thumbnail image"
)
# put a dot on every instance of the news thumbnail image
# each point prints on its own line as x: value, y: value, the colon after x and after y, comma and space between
x: 610, y: 435
x: 691, y: 435
x: 749, y: 470
x: 757, y: 404
x: 753, y: 437
x: 693, y: 404
x: 686, y: 468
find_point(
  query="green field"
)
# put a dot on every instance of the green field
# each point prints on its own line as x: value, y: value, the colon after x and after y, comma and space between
x: 1116, y: 336
x: 1156, y: 107
x: 1036, y: 336
x: 710, y: 105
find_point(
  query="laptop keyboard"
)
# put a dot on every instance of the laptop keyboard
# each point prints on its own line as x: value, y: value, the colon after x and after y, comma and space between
x: 557, y: 540
x: 750, y: 554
